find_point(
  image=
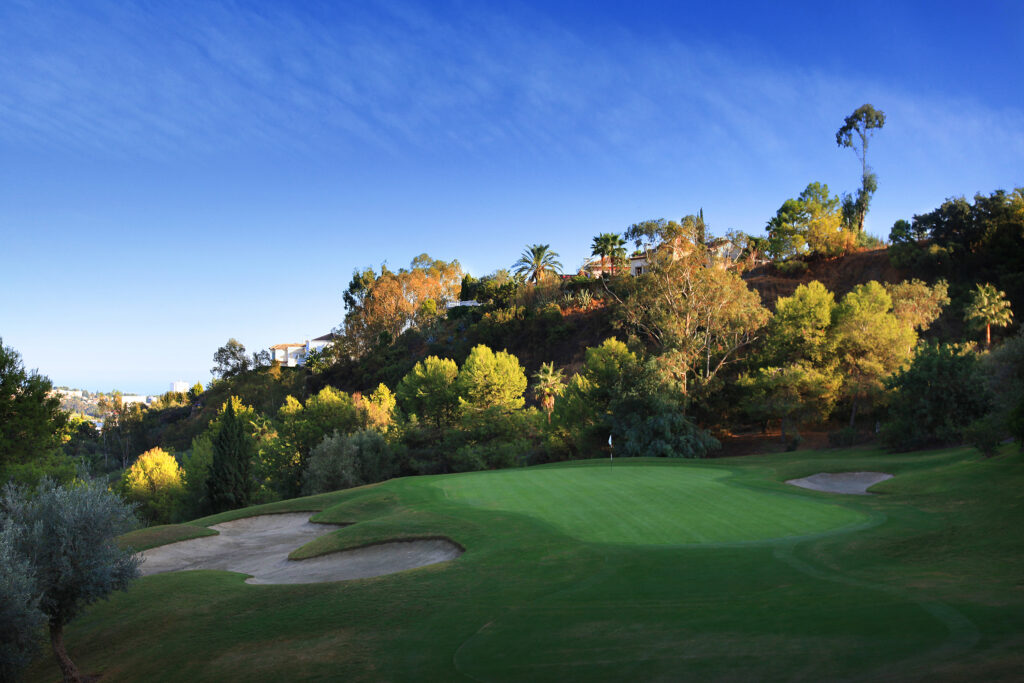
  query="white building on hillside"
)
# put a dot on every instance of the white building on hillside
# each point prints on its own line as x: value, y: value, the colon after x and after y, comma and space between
x: 180, y: 387
x: 293, y: 355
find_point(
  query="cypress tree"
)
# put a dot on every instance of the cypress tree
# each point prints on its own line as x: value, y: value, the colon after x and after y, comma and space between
x: 229, y: 485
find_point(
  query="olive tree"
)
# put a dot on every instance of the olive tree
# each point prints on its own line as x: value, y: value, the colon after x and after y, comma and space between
x: 66, y: 536
x: 20, y: 618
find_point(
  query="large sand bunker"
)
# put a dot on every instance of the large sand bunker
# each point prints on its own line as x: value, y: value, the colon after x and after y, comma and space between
x: 259, y: 546
x: 855, y: 483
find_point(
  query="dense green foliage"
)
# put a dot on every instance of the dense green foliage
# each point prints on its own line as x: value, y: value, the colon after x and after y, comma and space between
x: 968, y: 243
x: 692, y: 352
x: 344, y: 461
x: 229, y: 483
x: 30, y: 423
x: 154, y: 482
x: 20, y: 617
x: 66, y: 536
x: 935, y: 398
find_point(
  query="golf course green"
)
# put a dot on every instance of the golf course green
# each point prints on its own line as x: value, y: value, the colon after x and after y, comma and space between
x: 647, y: 505
x: 648, y: 570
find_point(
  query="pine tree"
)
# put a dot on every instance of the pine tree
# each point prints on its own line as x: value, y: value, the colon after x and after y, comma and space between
x: 229, y: 485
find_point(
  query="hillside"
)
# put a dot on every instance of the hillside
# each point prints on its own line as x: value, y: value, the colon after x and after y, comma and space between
x: 839, y: 275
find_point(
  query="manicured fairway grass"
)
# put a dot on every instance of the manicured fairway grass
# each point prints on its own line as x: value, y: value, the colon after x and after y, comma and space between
x: 705, y: 570
x: 647, y: 505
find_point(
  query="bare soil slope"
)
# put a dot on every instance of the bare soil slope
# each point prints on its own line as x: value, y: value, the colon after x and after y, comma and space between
x: 839, y: 275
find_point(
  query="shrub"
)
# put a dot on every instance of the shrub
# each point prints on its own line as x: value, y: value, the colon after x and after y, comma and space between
x: 343, y: 461
x: 490, y: 456
x: 985, y: 435
x: 155, y: 482
x: 791, y: 268
x: 649, y: 425
x: 845, y: 437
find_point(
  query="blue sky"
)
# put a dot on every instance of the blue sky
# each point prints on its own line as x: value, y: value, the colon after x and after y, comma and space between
x: 174, y: 174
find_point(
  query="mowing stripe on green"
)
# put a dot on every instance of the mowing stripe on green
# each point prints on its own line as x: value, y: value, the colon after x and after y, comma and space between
x: 647, y: 505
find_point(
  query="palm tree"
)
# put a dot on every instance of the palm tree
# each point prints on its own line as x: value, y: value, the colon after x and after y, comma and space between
x: 549, y: 385
x: 988, y: 307
x: 537, y: 259
x: 611, y: 246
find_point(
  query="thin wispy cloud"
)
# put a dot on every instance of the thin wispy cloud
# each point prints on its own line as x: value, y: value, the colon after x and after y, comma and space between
x: 212, y: 78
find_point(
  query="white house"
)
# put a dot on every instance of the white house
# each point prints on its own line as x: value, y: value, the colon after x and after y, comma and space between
x: 288, y: 355
x: 293, y: 355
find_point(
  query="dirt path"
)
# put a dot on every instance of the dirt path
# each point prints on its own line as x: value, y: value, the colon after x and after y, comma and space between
x: 259, y: 546
x: 853, y: 483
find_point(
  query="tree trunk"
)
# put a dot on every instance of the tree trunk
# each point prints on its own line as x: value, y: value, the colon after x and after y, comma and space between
x: 853, y: 414
x: 782, y: 429
x: 67, y: 667
x: 988, y: 336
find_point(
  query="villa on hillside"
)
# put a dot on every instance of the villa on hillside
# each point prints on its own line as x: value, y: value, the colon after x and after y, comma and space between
x: 293, y: 355
x: 721, y: 250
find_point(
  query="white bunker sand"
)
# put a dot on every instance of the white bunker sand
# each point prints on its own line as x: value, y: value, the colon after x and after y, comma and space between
x: 259, y: 546
x: 855, y: 483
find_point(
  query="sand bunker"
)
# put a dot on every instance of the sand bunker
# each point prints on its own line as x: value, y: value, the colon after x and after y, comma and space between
x: 855, y: 483
x: 259, y: 546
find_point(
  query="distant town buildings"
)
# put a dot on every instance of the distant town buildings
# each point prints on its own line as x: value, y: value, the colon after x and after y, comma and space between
x: 179, y: 387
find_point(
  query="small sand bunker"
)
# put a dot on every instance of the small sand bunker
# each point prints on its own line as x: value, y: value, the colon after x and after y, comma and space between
x: 855, y: 483
x: 259, y: 546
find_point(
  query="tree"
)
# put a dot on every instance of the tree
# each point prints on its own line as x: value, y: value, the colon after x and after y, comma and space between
x: 67, y: 536
x: 31, y: 419
x: 785, y: 238
x: 343, y: 461
x: 20, y: 618
x: 230, y: 360
x: 195, y: 392
x: 609, y: 373
x: 871, y: 342
x: 155, y: 482
x: 697, y: 318
x: 121, y: 426
x: 611, y: 246
x: 230, y: 482
x: 935, y: 398
x: 916, y: 303
x: 377, y: 411
x: 811, y: 222
x: 379, y: 308
x: 428, y: 391
x: 988, y: 307
x: 1004, y: 373
x: 861, y: 123
x: 794, y: 394
x: 549, y: 385
x: 799, y: 329
x: 537, y: 261
x: 616, y: 394
x: 490, y: 380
